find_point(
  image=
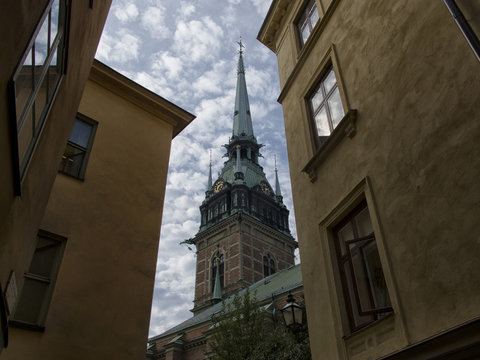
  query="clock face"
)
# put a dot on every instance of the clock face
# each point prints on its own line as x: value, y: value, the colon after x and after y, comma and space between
x: 218, y: 186
x: 265, y: 188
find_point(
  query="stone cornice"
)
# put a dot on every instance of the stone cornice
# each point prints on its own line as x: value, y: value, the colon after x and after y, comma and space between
x: 140, y: 96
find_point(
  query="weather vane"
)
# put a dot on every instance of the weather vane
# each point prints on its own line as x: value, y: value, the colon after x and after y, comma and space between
x: 241, y: 46
x: 275, y: 155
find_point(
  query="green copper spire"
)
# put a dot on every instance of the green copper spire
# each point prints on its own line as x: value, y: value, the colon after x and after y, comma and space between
x: 242, y: 121
x: 278, y: 192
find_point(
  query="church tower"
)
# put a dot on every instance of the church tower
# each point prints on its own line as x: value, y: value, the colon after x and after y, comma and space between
x: 244, y: 233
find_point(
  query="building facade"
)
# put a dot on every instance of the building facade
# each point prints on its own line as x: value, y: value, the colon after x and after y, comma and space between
x: 243, y: 238
x: 380, y: 104
x: 46, y: 56
x: 87, y: 291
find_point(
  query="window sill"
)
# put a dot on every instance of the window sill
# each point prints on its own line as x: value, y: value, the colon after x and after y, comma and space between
x: 25, y: 325
x: 370, y: 325
x: 346, y: 127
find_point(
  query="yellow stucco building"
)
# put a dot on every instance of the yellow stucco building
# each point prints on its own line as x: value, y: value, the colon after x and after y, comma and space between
x: 84, y: 156
x: 381, y: 108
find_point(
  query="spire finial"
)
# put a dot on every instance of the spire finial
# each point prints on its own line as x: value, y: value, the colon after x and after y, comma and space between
x: 275, y: 157
x: 240, y: 51
x: 278, y: 192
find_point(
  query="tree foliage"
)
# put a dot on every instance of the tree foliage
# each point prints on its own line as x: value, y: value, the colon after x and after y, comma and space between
x: 244, y: 331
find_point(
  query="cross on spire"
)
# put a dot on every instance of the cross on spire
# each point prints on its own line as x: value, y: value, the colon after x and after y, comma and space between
x: 241, y: 46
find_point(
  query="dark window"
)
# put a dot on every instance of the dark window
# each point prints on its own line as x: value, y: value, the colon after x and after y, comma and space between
x: 35, y: 82
x: 268, y: 265
x: 39, y: 280
x: 364, y: 288
x: 326, y: 105
x: 217, y: 262
x: 77, y: 151
x: 307, y: 21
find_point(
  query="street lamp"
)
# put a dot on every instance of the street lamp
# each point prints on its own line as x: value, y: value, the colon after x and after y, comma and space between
x: 292, y: 312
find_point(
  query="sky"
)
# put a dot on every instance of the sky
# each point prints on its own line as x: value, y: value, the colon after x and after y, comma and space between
x: 187, y: 52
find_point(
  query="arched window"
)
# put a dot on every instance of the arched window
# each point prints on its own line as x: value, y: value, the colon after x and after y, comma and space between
x: 217, y: 261
x: 268, y: 265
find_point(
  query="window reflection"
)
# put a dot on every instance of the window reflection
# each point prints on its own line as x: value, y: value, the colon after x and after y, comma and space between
x: 35, y: 81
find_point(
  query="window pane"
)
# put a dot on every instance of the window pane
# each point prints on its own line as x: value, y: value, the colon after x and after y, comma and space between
x: 31, y: 300
x: 363, y: 282
x: 41, y: 44
x: 81, y: 133
x: 25, y: 136
x: 305, y: 32
x: 357, y: 318
x: 345, y: 233
x: 317, y: 99
x: 364, y: 225
x: 72, y: 160
x: 24, y: 85
x: 321, y: 120
x: 44, y: 257
x: 313, y: 15
x: 335, y: 107
x: 40, y: 104
x: 53, y: 76
x: 330, y: 81
x: 378, y: 286
x: 54, y: 20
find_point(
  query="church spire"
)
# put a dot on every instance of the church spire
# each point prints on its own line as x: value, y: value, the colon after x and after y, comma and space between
x: 278, y: 192
x: 242, y: 121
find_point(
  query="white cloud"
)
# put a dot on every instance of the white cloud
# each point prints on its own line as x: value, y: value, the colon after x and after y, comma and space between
x: 125, y: 13
x: 121, y: 47
x: 198, y: 39
x: 261, y: 6
x: 153, y: 20
x: 166, y: 62
x: 186, y: 9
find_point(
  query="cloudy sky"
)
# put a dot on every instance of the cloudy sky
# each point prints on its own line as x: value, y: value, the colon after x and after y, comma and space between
x: 187, y: 52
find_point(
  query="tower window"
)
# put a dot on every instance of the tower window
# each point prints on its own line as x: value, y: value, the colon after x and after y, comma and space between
x: 268, y: 265
x: 217, y: 263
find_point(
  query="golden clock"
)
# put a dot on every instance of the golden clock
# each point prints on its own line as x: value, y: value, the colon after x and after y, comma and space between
x: 265, y: 188
x: 218, y: 186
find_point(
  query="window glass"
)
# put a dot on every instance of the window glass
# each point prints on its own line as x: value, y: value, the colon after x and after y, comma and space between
x: 24, y: 85
x: 364, y: 225
x: 36, y: 80
x: 330, y: 81
x: 44, y: 257
x: 81, y: 133
x: 54, y: 18
x: 321, y: 119
x: 336, y: 109
x: 307, y: 21
x: 326, y: 105
x: 30, y: 303
x: 365, y: 289
x: 41, y: 44
x: 39, y: 280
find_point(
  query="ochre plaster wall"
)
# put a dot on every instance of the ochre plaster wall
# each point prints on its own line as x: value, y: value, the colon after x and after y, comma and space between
x: 100, y: 308
x: 408, y: 70
x: 20, y: 216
